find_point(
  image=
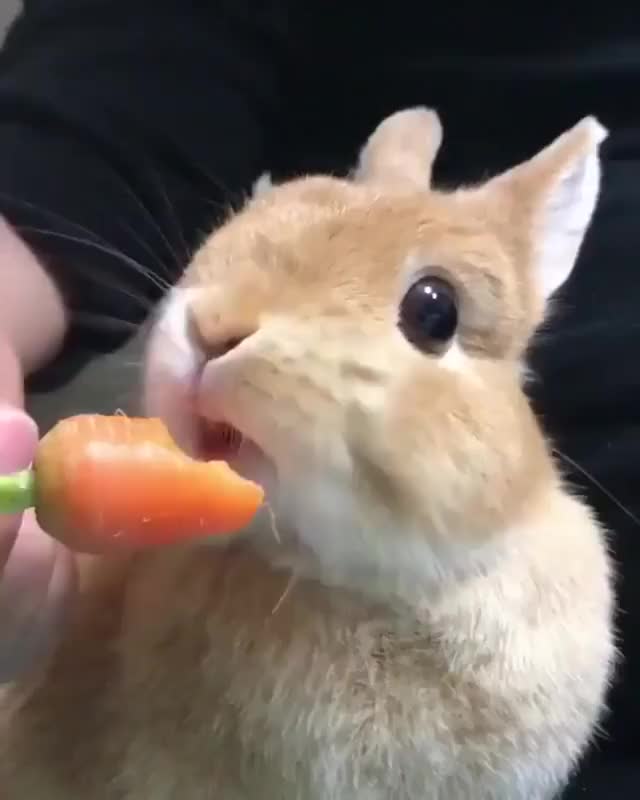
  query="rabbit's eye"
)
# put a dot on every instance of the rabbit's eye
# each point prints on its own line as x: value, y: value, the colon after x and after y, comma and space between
x: 429, y: 314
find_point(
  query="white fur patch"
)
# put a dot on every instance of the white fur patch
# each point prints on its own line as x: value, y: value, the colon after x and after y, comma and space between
x: 170, y: 342
x: 365, y: 549
x: 566, y: 215
x: 172, y: 365
x: 456, y: 360
x: 262, y: 185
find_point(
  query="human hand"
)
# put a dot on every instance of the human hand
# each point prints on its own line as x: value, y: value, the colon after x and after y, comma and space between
x: 37, y: 575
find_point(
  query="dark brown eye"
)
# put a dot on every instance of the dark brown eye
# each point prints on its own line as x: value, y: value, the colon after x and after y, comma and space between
x: 429, y: 314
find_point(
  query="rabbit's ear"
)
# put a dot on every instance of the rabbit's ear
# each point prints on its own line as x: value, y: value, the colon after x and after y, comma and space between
x: 401, y: 150
x: 545, y: 205
x: 262, y: 185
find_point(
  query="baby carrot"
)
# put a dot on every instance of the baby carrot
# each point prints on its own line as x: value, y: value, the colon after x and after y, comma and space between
x: 104, y: 483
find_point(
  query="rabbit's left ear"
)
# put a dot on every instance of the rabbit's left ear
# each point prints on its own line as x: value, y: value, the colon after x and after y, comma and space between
x: 544, y: 206
x: 401, y: 150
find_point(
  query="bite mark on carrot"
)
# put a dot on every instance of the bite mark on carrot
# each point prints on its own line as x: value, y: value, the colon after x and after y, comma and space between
x: 105, y: 483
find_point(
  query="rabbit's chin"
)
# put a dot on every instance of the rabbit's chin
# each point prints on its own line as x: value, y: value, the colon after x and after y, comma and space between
x: 319, y: 528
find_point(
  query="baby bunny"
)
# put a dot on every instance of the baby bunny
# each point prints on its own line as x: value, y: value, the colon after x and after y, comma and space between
x: 424, y: 610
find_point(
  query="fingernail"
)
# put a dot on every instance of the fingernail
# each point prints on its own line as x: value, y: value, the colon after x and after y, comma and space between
x: 18, y: 439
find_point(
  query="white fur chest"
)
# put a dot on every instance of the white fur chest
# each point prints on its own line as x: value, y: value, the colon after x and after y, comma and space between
x: 327, y: 697
x: 213, y: 685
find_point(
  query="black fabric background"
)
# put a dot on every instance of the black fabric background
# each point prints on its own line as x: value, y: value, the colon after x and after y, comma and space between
x: 137, y: 124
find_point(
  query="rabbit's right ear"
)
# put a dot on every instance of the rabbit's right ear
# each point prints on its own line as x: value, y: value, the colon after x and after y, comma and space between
x: 401, y: 150
x: 544, y: 206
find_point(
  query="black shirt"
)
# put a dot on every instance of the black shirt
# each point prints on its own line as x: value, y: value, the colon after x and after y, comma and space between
x: 127, y: 129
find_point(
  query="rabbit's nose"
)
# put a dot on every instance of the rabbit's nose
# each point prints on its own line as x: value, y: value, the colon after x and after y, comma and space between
x: 217, y: 339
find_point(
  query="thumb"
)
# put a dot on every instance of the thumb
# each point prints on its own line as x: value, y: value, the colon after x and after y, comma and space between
x: 18, y: 439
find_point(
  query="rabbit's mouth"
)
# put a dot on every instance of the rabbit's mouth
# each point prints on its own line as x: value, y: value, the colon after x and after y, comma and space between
x: 217, y: 441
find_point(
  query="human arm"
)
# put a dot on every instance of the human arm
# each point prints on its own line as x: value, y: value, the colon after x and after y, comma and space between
x: 26, y: 286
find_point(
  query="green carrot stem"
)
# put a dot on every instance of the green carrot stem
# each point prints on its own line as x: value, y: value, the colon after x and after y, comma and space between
x: 17, y: 492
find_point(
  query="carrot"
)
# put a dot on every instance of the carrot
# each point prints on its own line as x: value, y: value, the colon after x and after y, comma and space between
x: 105, y: 483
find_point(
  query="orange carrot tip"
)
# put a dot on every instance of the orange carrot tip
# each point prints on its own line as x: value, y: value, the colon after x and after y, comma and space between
x: 106, y: 483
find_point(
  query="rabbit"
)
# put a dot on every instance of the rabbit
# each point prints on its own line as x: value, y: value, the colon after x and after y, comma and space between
x: 423, y: 608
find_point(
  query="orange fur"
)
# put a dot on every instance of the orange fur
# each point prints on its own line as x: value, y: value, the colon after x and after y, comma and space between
x: 432, y: 616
